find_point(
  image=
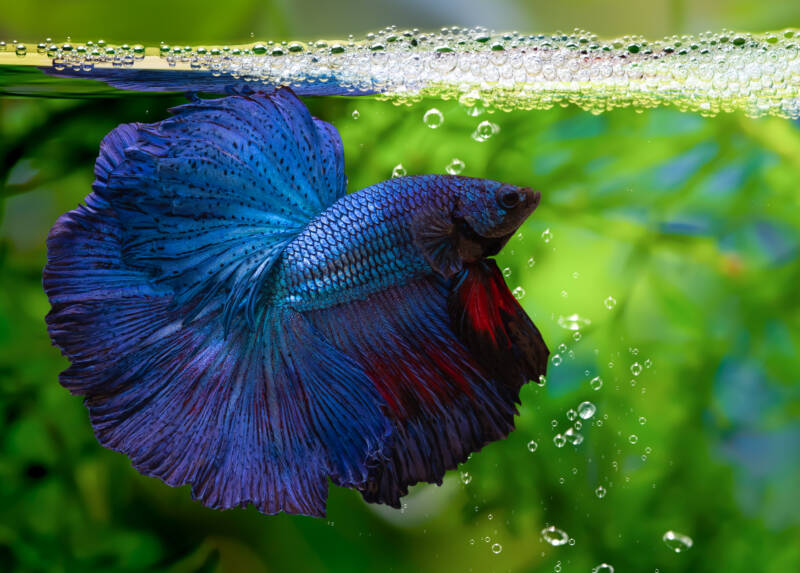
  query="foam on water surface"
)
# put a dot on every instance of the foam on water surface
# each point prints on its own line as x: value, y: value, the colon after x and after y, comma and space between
x: 707, y: 73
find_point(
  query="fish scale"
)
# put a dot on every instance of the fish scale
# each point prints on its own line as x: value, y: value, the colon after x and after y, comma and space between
x: 356, y: 247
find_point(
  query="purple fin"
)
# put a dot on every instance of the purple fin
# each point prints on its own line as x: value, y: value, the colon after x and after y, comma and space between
x: 209, y: 197
x: 442, y: 404
x: 259, y: 417
x: 260, y: 414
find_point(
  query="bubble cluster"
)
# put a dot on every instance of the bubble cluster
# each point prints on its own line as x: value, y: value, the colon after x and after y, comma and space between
x: 707, y: 73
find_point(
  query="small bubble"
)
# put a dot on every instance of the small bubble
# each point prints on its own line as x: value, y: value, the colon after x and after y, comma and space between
x: 484, y: 131
x: 586, y: 410
x: 507, y: 272
x: 553, y: 423
x: 532, y: 445
x: 648, y: 450
x: 596, y: 383
x: 455, y: 166
x: 610, y: 302
x: 20, y: 49
x: 559, y: 440
x: 636, y: 368
x: 554, y: 536
x: 497, y: 548
x: 356, y: 114
x: 466, y: 478
x: 399, y: 170
x: 573, y: 437
x: 547, y: 235
x: 633, y: 438
x: 678, y: 542
x: 642, y: 420
x: 600, y: 492
x: 603, y: 568
x: 576, y: 336
x: 433, y: 118
x: 648, y: 363
x: 573, y: 322
x: 556, y: 360
x: 571, y: 541
x: 490, y: 517
x: 531, y: 262
x: 571, y: 414
x: 518, y: 293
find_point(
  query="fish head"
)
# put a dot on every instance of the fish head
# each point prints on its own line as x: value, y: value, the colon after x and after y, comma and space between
x: 487, y: 213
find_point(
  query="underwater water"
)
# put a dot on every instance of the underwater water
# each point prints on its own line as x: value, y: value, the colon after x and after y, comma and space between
x: 661, y: 268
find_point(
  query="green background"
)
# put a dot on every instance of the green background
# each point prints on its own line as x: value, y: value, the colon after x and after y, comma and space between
x: 691, y: 224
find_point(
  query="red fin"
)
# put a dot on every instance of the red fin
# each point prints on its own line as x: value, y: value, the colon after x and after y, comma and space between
x: 491, y: 323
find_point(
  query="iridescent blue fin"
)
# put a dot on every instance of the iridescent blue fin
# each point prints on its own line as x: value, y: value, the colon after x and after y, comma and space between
x: 209, y: 197
x: 442, y: 403
x: 143, y: 280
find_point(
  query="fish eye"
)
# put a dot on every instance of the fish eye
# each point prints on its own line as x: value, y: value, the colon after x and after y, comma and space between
x: 508, y: 199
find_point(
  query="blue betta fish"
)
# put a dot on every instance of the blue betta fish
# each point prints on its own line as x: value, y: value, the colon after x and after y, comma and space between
x: 237, y: 322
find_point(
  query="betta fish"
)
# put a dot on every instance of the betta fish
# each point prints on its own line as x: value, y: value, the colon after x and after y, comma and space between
x: 237, y: 322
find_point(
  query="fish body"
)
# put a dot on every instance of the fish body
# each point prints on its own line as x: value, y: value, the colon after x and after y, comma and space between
x: 238, y: 323
x: 365, y: 242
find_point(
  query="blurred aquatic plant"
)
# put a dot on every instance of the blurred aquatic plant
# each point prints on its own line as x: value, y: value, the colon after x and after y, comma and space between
x: 667, y: 242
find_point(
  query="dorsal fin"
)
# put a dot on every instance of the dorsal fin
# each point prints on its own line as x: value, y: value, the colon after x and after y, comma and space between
x: 209, y: 197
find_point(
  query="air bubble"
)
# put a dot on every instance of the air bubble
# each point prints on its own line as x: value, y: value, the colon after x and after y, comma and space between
x: 399, y: 170
x: 586, y: 410
x: 596, y: 383
x: 547, y: 235
x: 636, y: 368
x: 433, y: 118
x: 603, y: 568
x: 496, y: 548
x: 573, y: 322
x: 573, y: 437
x: 555, y: 536
x: 455, y: 166
x: 466, y: 478
x: 633, y: 438
x: 610, y: 302
x: 600, y: 492
x: 484, y: 131
x: 356, y: 114
x: 556, y: 360
x: 507, y: 272
x: 678, y: 542
x: 559, y: 440
x: 532, y: 446
x: 518, y: 292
